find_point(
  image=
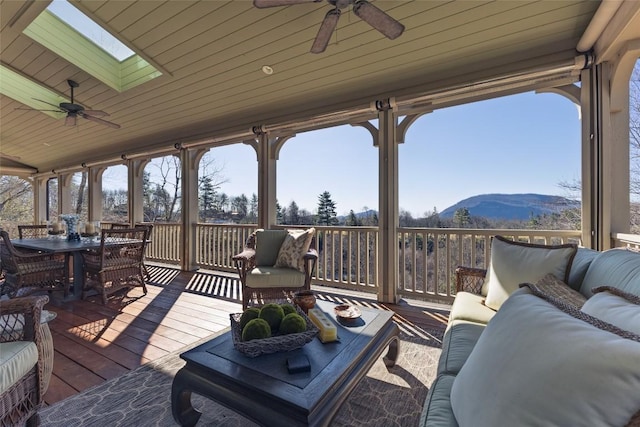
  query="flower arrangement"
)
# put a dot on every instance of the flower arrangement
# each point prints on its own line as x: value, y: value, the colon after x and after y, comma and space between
x: 72, y: 225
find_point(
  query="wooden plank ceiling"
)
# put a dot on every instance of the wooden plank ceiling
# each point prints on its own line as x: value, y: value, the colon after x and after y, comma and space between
x: 213, y: 52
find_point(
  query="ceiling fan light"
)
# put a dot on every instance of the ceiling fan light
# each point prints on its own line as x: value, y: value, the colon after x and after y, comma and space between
x: 70, y: 120
x: 327, y: 28
x: 378, y: 19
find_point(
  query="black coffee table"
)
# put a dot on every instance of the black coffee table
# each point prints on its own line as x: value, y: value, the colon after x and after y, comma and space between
x: 262, y: 389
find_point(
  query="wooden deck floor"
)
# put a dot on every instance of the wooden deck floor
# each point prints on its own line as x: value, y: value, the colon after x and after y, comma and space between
x: 94, y: 343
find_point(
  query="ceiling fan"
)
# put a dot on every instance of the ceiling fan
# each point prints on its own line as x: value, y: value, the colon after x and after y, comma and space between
x: 361, y: 8
x: 74, y: 110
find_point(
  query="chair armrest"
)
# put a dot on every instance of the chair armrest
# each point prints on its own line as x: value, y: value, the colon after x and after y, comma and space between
x: 312, y: 254
x: 28, y: 257
x: 470, y: 279
x: 246, y: 255
x: 245, y: 261
x: 21, y: 319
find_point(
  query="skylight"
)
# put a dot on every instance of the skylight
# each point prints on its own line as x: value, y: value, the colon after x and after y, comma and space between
x: 91, y: 30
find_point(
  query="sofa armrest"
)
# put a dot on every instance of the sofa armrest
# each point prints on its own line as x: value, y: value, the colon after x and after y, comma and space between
x: 470, y: 279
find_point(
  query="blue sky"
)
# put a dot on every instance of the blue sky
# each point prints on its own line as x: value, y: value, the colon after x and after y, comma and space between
x: 526, y: 143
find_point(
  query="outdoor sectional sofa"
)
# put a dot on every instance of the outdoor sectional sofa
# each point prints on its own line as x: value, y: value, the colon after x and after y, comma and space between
x: 550, y: 354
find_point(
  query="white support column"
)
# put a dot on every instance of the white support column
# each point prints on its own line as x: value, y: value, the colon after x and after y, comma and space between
x: 189, y: 162
x: 95, y: 193
x: 64, y: 193
x: 39, y: 200
x: 621, y: 72
x: 266, y: 179
x: 135, y: 199
x: 388, y: 218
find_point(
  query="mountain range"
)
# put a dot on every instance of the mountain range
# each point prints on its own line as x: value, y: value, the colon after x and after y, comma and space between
x: 511, y: 206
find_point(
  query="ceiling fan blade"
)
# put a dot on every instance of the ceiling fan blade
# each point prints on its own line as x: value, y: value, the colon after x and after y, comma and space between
x: 378, y: 19
x: 33, y: 109
x: 104, y: 122
x: 327, y: 28
x: 48, y: 103
x: 261, y: 4
x: 95, y: 113
x: 70, y: 120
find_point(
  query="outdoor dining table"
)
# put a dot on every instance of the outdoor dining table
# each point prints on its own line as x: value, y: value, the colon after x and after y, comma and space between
x: 74, y: 248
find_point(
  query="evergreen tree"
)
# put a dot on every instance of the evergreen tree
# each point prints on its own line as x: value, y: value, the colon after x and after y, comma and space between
x: 326, y: 210
x: 253, y: 209
x: 461, y: 217
x: 293, y: 214
x: 280, y: 219
x: 207, y: 198
x: 352, y: 220
x: 240, y: 205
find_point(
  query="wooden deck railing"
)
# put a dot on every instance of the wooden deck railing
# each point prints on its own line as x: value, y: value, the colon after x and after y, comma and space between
x: 348, y: 256
x: 630, y: 241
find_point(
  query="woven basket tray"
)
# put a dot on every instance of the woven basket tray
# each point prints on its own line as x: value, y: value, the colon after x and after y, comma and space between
x: 272, y: 344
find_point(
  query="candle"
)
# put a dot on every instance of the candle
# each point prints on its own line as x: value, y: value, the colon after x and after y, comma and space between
x: 56, y: 227
x: 89, y: 228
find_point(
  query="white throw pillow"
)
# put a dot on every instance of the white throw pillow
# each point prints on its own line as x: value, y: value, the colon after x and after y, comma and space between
x: 293, y: 248
x: 535, y: 365
x: 513, y: 263
x: 616, y: 307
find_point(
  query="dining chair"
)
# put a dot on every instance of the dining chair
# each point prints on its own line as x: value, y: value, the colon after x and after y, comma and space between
x: 29, y: 272
x: 33, y: 231
x: 149, y: 227
x: 117, y: 225
x: 117, y: 263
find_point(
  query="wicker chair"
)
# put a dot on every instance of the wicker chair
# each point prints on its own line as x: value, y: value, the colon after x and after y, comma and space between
x: 470, y: 279
x: 149, y: 226
x: 24, y: 381
x: 117, y: 264
x: 33, y: 231
x: 117, y: 225
x: 258, y: 274
x: 28, y: 272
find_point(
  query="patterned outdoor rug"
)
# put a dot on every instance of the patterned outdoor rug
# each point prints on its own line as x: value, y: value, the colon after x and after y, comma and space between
x: 385, y: 397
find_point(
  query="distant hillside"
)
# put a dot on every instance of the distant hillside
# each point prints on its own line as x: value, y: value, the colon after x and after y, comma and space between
x: 360, y: 215
x: 511, y: 206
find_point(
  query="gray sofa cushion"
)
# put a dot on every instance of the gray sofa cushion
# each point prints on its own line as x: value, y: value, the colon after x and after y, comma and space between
x: 619, y: 268
x: 579, y: 266
x: 537, y: 365
x: 459, y: 340
x: 437, y: 408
